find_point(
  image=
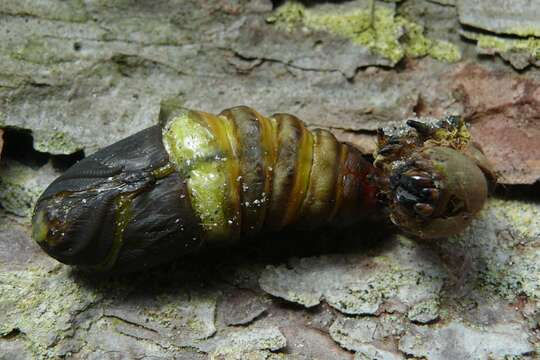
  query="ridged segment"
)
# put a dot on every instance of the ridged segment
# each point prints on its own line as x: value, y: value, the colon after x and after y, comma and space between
x: 319, y: 202
x: 256, y: 159
x: 358, y: 196
x: 338, y: 195
x: 291, y: 173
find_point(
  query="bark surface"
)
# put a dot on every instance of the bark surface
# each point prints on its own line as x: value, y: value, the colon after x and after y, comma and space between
x: 77, y: 75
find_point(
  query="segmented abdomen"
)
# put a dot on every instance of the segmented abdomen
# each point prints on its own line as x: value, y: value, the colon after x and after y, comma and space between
x: 246, y: 172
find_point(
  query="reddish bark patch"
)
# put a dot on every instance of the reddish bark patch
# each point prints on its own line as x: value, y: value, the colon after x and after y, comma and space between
x: 504, y: 111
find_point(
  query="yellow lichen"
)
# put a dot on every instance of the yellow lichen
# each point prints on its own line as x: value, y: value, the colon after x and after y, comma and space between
x: 378, y: 29
x: 524, y: 31
x: 444, y: 51
x: 416, y: 44
x: 288, y: 15
x: 529, y: 45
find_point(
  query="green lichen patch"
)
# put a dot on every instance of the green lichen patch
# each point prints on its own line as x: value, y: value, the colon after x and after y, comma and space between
x: 521, y: 271
x: 72, y: 11
x: 41, y: 305
x: 529, y: 45
x: 520, y: 52
x: 425, y: 311
x: 245, y: 341
x: 416, y: 44
x: 55, y: 142
x: 353, y: 287
x: 524, y: 216
x: 144, y: 29
x: 288, y: 16
x: 365, y: 335
x: 524, y: 31
x: 500, y: 341
x: 405, y: 284
x: 444, y: 51
x: 504, y: 243
x: 44, y: 51
x: 20, y: 187
x: 378, y: 29
x: 184, y: 316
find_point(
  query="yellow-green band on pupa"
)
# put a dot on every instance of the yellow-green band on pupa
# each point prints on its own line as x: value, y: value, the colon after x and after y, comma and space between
x: 196, y: 147
x: 40, y: 227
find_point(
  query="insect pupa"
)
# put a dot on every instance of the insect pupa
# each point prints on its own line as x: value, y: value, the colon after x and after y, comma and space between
x: 197, y: 180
